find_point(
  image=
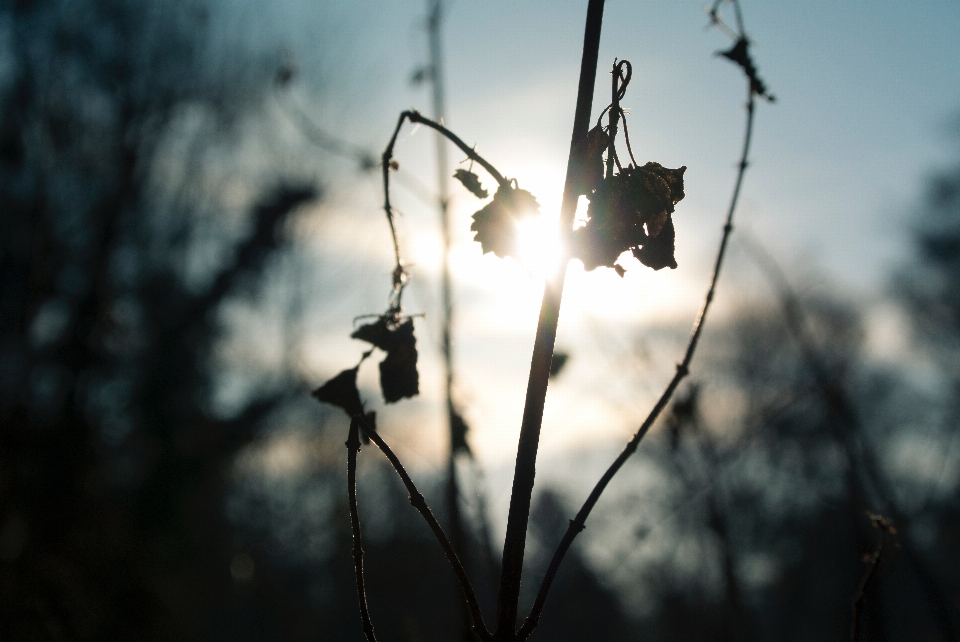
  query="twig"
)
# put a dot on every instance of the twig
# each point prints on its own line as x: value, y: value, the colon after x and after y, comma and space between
x: 873, y: 560
x: 526, y: 463
x: 353, y: 447
x: 417, y: 501
x: 683, y: 368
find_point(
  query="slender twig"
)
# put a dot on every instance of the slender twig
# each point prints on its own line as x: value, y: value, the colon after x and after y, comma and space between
x: 353, y: 447
x: 870, y: 573
x: 526, y: 464
x: 417, y: 501
x: 683, y: 368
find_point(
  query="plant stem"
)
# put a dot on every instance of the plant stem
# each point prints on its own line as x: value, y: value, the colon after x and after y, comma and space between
x: 417, y: 501
x: 353, y: 447
x: 683, y: 368
x: 525, y: 469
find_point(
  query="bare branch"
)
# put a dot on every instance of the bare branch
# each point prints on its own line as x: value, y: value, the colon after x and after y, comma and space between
x: 578, y: 523
x: 353, y: 447
x: 417, y: 501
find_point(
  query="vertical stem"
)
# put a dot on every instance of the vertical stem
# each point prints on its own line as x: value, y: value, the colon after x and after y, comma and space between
x: 525, y: 469
x: 443, y: 204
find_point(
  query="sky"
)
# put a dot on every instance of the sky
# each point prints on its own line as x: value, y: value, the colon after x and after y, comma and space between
x: 868, y: 99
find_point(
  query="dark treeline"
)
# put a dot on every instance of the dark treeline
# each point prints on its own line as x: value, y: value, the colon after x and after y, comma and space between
x: 129, y: 507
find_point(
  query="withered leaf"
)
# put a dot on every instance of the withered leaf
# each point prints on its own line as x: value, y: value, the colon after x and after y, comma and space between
x: 558, y: 361
x: 376, y: 333
x: 631, y: 211
x: 590, y: 173
x: 472, y: 182
x: 342, y: 391
x: 657, y: 252
x: 740, y: 55
x: 495, y: 225
x: 398, y: 372
x: 458, y: 434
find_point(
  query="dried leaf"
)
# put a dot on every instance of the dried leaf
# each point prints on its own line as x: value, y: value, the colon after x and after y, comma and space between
x: 557, y: 363
x: 657, y: 252
x: 458, y: 434
x: 376, y: 333
x: 472, y: 182
x: 496, y: 224
x: 398, y: 372
x: 740, y: 55
x: 632, y: 211
x: 342, y: 391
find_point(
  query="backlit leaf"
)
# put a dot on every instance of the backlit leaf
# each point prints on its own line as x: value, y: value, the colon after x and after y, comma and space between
x: 495, y: 225
x: 472, y: 182
x: 632, y: 211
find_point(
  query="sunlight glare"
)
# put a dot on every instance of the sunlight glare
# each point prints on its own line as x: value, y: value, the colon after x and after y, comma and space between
x: 538, y: 240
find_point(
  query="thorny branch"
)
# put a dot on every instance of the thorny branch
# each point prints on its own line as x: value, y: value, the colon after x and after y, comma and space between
x: 417, y: 501
x: 353, y: 447
x: 683, y: 368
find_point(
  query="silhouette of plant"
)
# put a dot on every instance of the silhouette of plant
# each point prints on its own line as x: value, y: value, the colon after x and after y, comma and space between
x: 631, y: 209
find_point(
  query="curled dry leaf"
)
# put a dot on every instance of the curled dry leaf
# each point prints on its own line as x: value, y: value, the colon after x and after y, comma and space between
x: 632, y: 211
x: 495, y: 225
x: 740, y: 55
x: 398, y: 371
x: 342, y: 391
x: 458, y: 434
x: 472, y: 182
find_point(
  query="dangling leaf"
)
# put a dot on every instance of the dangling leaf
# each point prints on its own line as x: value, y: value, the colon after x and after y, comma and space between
x: 398, y: 372
x: 472, y: 182
x: 558, y: 361
x: 657, y: 252
x: 496, y: 224
x: 458, y: 434
x: 631, y: 211
x: 376, y: 333
x: 740, y: 55
x: 590, y: 174
x: 342, y: 391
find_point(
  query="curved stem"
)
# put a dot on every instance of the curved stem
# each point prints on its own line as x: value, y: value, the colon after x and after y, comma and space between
x: 399, y: 274
x: 417, y: 117
x: 578, y: 523
x: 353, y: 447
x: 417, y: 501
